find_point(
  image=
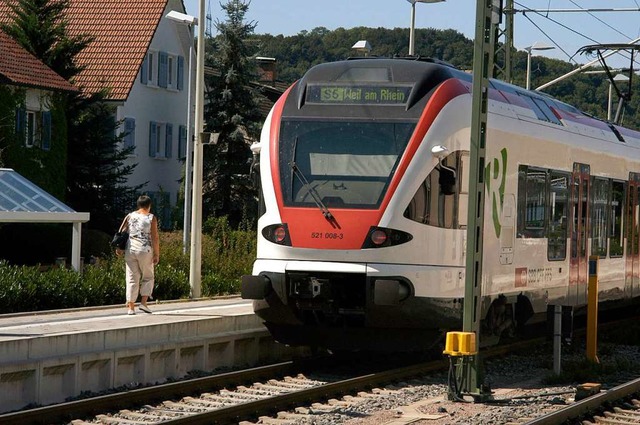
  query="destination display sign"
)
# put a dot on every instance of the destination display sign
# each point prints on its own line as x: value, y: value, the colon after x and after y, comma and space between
x: 358, y: 94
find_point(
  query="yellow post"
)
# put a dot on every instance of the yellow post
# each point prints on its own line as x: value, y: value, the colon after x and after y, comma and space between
x: 592, y: 310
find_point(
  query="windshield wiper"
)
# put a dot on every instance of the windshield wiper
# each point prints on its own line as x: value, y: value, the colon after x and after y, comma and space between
x: 314, y: 194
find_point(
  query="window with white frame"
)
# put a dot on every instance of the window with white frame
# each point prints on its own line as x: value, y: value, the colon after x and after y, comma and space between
x: 35, y: 127
x: 171, y: 72
x: 148, y: 71
x: 160, y: 140
x: 161, y: 69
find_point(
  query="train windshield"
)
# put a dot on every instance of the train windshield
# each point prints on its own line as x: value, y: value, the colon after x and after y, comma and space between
x: 345, y: 164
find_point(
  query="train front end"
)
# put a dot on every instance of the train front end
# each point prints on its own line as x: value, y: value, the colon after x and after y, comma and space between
x: 339, y: 264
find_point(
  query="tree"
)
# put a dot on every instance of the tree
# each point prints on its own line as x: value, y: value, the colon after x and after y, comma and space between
x: 96, y: 174
x: 233, y: 113
x: 40, y: 27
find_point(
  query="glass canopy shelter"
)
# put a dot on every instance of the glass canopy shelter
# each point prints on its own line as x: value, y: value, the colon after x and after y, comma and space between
x: 21, y: 201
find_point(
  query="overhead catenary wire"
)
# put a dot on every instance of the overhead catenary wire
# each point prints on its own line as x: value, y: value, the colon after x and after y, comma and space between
x: 600, y: 20
x: 546, y: 16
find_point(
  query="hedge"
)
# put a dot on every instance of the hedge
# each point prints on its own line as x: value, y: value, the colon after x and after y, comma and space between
x: 227, y: 254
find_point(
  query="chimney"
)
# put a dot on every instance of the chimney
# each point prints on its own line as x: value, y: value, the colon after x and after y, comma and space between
x: 266, y: 69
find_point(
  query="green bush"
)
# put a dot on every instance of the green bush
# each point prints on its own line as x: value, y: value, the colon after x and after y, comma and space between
x: 227, y: 254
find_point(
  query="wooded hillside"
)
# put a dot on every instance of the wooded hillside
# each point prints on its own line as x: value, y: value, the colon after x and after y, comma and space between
x: 295, y: 54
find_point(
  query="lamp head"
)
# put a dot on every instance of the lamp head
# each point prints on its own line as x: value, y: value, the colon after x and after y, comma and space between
x: 182, y: 18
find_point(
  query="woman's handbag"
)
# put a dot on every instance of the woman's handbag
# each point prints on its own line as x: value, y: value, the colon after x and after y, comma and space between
x: 121, y: 237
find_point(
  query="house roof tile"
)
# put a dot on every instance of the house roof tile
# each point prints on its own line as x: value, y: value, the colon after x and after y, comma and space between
x: 19, y: 67
x: 122, y: 32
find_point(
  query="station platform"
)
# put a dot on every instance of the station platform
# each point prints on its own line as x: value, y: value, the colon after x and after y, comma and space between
x: 49, y: 357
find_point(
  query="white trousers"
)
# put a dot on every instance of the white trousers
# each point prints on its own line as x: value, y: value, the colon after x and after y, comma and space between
x: 139, y: 274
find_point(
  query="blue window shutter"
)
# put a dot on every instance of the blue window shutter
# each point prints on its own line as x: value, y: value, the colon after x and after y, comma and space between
x: 168, y: 145
x: 46, y: 130
x: 182, y: 142
x: 153, y: 137
x: 144, y: 69
x: 180, y: 84
x: 21, y: 123
x: 163, y: 60
x: 129, y: 132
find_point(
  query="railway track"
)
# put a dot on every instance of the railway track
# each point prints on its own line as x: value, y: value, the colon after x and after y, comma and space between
x: 258, y: 391
x: 207, y: 400
x: 617, y: 406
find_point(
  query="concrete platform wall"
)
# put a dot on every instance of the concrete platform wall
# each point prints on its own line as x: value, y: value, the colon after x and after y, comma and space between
x: 50, y: 369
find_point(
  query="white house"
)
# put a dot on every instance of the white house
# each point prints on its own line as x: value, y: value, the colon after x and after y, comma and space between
x: 143, y: 58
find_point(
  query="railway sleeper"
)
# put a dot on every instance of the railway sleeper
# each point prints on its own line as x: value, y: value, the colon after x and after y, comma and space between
x: 619, y: 417
x: 626, y: 412
x: 137, y: 415
x: 273, y: 421
x: 322, y: 408
x: 213, y: 404
x: 275, y: 388
x: 184, y: 407
x: 340, y: 403
x: 603, y: 420
x: 107, y: 420
x: 286, y: 383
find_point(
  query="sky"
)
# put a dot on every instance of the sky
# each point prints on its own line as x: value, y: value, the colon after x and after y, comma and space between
x: 568, y: 33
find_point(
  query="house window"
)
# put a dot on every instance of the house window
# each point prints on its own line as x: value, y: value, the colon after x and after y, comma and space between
x: 160, y: 140
x: 180, y: 73
x: 182, y: 142
x: 129, y: 133
x: 35, y: 127
x: 31, y: 129
x: 163, y: 64
x: 148, y: 72
x: 170, y: 72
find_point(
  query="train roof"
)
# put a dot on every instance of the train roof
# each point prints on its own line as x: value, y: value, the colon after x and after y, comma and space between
x: 425, y: 74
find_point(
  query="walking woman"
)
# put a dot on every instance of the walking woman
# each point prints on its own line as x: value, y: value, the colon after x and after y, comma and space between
x: 141, y: 254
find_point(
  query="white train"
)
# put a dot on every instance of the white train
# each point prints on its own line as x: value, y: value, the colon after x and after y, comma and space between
x: 364, y: 176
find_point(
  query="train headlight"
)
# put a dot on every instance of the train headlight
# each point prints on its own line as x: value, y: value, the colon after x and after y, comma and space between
x: 380, y: 237
x: 277, y: 233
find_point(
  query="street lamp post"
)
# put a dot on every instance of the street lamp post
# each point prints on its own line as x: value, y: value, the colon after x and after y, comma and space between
x: 195, y: 265
x: 536, y: 46
x: 413, y: 22
x: 617, y: 78
x: 186, y: 226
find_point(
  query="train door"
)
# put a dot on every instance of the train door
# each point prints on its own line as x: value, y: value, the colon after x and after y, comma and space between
x: 632, y: 266
x: 579, y: 233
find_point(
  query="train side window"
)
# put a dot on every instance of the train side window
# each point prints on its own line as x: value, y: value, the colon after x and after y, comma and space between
x: 532, y: 189
x: 558, y: 208
x: 435, y: 203
x: 616, y: 237
x: 600, y: 198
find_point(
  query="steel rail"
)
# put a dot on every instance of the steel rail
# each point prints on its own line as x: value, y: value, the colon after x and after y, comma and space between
x: 587, y: 405
x: 95, y: 405
x: 232, y: 414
